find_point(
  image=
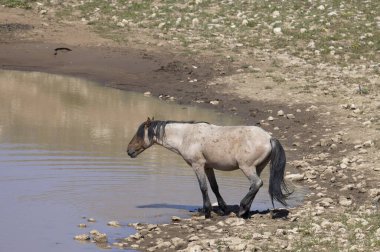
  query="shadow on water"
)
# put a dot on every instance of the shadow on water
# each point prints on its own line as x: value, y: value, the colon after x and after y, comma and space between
x: 190, y: 208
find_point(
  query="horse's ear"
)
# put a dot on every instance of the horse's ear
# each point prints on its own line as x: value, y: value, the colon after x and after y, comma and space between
x: 147, y: 123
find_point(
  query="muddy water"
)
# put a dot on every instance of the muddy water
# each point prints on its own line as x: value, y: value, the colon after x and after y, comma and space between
x: 62, y: 158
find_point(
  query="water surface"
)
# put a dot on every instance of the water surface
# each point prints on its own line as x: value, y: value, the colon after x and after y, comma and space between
x: 62, y: 157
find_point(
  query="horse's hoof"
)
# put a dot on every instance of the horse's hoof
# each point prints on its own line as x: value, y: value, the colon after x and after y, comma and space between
x: 243, y: 213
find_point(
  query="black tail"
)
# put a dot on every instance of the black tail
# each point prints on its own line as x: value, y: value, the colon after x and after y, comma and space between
x: 277, y: 170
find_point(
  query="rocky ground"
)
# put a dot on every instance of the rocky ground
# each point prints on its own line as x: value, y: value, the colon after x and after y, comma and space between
x: 306, y: 71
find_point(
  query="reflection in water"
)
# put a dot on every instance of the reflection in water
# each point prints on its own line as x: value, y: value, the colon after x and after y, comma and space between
x: 62, y: 153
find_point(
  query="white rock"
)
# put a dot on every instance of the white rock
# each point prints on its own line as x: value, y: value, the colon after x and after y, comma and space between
x: 195, y: 248
x: 290, y: 116
x: 160, y: 25
x: 178, y: 243
x: 257, y: 236
x: 295, y: 177
x: 280, y: 113
x: 244, y: 22
x: 113, y: 224
x: 82, y: 237
x: 270, y: 118
x: 176, y: 218
x: 148, y: 93
x: 343, y: 201
x: 275, y: 14
x: 321, y: 7
x: 195, y: 22
x: 277, y: 31
x: 311, y: 45
x: 215, y: 102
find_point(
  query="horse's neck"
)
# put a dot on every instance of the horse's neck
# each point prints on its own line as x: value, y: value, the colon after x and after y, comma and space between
x: 173, y: 139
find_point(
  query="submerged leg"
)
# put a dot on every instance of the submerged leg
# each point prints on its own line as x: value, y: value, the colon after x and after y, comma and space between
x: 256, y: 183
x: 214, y: 186
x: 201, y: 176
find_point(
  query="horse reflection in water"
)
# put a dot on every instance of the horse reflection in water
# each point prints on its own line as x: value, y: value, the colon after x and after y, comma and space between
x: 206, y: 147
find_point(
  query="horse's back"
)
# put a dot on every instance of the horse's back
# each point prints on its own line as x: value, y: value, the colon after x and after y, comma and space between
x: 228, y: 147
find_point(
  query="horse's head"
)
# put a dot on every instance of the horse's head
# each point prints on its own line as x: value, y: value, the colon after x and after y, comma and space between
x: 141, y: 140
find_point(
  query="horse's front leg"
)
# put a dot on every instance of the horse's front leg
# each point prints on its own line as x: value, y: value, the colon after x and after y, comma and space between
x: 214, y: 186
x: 201, y: 176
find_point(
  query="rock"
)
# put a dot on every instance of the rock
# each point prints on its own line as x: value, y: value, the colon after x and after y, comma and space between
x: 151, y: 227
x: 193, y: 238
x: 321, y: 7
x: 98, y: 237
x: 280, y: 113
x: 377, y: 234
x: 270, y: 118
x: 295, y: 177
x: 91, y: 220
x: 344, y: 201
x: 235, y: 221
x: 176, y: 219
x: 82, y: 237
x: 113, y: 224
x: 214, y: 102
x: 163, y: 245
x: 82, y: 225
x: 211, y: 228
x: 343, y: 166
x: 147, y: 94
x: 257, y: 236
x: 195, y: 248
x: 368, y: 144
x: 178, y: 243
x: 326, y: 202
x: 277, y: 31
x: 290, y: 116
x: 280, y: 232
x: 195, y: 22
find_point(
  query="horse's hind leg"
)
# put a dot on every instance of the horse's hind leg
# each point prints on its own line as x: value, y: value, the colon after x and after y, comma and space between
x: 214, y: 186
x: 256, y: 183
x: 201, y: 176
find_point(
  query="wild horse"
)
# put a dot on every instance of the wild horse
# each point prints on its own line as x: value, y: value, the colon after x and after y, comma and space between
x: 206, y: 147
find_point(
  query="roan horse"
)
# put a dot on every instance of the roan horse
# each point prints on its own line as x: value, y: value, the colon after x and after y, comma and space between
x: 206, y: 147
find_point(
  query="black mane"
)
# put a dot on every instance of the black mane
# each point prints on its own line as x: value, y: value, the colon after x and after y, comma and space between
x: 157, y: 128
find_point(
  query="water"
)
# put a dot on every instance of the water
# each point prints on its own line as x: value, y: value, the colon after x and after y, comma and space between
x: 62, y: 158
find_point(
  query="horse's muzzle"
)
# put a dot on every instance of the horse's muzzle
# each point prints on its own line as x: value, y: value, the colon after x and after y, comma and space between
x: 132, y: 153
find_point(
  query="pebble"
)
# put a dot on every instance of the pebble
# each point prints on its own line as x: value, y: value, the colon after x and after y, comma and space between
x: 214, y: 102
x: 344, y: 201
x: 280, y: 113
x: 147, y: 94
x: 178, y: 243
x: 91, y: 220
x: 113, y: 224
x: 195, y: 248
x: 82, y: 237
x: 295, y: 177
x: 290, y: 116
x: 82, y: 225
x: 98, y: 237
x: 277, y: 31
x: 176, y: 219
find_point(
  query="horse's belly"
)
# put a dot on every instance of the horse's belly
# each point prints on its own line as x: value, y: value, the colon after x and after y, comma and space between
x: 223, y: 165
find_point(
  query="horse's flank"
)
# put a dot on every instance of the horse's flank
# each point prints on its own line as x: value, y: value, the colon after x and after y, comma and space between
x: 220, y: 147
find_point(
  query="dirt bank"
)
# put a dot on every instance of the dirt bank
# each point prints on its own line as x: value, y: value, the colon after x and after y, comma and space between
x: 325, y: 109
